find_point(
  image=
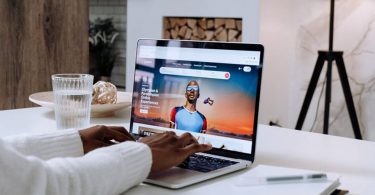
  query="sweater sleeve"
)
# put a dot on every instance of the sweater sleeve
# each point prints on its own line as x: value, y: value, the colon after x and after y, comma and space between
x: 64, y: 143
x: 109, y: 170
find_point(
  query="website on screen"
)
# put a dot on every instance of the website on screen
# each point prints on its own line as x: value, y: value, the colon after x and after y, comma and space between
x: 210, y: 93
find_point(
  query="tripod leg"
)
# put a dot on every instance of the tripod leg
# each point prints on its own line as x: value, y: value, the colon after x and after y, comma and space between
x: 310, y: 90
x: 348, y: 95
x: 328, y: 94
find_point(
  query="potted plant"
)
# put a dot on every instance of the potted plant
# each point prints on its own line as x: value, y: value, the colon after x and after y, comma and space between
x: 102, y: 37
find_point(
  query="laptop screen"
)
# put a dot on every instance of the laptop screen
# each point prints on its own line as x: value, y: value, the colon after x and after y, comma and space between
x: 208, y: 89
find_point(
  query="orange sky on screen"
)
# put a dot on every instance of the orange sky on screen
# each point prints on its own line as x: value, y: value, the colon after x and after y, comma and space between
x: 230, y: 112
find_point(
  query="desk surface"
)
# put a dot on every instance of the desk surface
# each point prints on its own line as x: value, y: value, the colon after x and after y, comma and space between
x: 354, y: 160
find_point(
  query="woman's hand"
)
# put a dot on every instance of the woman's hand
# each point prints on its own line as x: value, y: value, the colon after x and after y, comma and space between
x: 170, y: 150
x: 100, y: 136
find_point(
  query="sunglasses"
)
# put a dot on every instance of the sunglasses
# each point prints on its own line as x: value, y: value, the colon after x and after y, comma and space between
x: 190, y: 88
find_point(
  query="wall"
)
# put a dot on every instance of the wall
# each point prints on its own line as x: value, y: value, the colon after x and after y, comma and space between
x: 293, y: 31
x: 38, y: 39
x: 277, y: 34
x: 115, y: 9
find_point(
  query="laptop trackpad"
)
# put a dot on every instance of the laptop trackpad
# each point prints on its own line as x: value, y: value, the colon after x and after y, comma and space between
x: 174, y: 175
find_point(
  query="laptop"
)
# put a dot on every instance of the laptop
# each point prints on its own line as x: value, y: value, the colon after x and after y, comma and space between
x: 209, y: 89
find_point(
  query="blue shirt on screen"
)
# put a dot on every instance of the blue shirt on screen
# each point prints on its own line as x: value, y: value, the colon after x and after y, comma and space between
x: 187, y: 120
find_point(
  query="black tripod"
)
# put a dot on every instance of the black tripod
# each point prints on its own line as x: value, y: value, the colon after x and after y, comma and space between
x: 330, y: 56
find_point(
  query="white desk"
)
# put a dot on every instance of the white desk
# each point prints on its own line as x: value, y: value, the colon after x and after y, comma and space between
x: 354, y: 160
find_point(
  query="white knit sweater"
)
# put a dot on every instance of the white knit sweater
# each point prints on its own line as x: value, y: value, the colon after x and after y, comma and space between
x: 53, y: 163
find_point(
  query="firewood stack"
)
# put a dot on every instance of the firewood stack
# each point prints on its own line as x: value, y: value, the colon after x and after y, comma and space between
x: 209, y: 29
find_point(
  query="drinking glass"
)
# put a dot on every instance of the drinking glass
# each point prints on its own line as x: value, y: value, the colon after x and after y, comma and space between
x: 72, y: 100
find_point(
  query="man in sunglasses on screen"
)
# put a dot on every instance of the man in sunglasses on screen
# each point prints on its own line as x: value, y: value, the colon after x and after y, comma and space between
x: 187, y: 117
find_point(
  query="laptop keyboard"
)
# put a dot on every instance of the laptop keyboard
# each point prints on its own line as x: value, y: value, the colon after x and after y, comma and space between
x: 205, y: 164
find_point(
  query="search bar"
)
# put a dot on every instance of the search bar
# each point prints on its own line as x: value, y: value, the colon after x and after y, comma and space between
x: 195, y: 73
x: 239, y: 57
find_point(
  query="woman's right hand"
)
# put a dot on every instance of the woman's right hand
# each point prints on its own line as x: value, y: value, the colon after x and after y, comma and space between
x: 169, y: 150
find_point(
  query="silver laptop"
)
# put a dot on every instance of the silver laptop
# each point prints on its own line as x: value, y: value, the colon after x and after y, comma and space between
x: 209, y: 89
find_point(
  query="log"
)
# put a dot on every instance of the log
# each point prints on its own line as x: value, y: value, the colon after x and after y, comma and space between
x: 201, y: 33
x: 233, y: 40
x: 195, y: 31
x: 210, y: 24
x: 222, y: 36
x: 195, y: 38
x: 167, y: 34
x: 174, y: 34
x: 166, y: 24
x: 209, y: 35
x: 230, y: 24
x: 218, y: 31
x: 239, y: 38
x: 202, y: 23
x: 181, y: 21
x: 239, y: 25
x: 188, y: 34
x: 191, y: 23
x: 232, y: 34
x: 182, y: 31
x: 173, y: 22
x: 219, y: 22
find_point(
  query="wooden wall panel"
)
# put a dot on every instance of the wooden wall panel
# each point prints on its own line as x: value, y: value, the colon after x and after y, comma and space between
x: 39, y: 38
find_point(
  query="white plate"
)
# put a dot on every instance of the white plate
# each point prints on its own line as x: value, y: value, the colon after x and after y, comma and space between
x: 124, y: 99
